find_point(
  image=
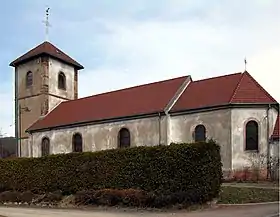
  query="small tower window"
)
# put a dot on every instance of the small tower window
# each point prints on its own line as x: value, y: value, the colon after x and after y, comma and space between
x: 77, y: 143
x: 61, y: 81
x: 45, y: 146
x: 124, y: 138
x: 29, y: 79
x: 200, y: 133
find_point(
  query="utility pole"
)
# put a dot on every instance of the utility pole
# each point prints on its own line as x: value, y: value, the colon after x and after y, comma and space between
x: 21, y: 110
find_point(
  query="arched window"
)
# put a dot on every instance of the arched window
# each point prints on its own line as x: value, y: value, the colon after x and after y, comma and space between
x: 45, y: 146
x: 61, y: 81
x: 29, y: 79
x: 252, y: 136
x: 124, y: 138
x: 200, y: 133
x: 77, y: 143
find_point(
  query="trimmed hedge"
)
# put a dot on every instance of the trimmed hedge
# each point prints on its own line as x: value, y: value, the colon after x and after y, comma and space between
x: 192, y: 170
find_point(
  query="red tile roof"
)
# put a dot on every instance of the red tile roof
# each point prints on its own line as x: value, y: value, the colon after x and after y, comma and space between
x: 152, y: 98
x: 144, y: 99
x: 49, y: 49
x: 276, y: 131
x: 233, y: 88
x: 249, y: 90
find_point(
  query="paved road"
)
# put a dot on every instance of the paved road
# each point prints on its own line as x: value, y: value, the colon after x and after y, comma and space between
x: 240, y: 211
x: 252, y: 185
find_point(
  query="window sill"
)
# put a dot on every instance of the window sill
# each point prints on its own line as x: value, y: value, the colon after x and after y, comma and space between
x: 252, y: 151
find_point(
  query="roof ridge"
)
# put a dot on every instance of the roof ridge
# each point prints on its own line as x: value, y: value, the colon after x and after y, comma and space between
x: 236, y: 88
x: 57, y: 49
x: 219, y: 76
x: 178, y: 94
x: 127, y: 88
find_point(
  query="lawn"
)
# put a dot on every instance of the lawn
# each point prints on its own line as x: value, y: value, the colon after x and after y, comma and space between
x: 234, y: 195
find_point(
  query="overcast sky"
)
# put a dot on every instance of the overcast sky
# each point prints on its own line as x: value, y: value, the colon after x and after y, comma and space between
x: 124, y: 43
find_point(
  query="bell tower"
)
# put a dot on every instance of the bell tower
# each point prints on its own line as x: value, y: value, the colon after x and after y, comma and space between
x: 44, y: 77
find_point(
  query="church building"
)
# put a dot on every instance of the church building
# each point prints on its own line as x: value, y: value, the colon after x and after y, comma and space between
x: 233, y: 109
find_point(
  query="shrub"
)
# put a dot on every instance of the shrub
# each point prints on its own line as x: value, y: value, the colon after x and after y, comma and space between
x: 85, y: 198
x: 10, y: 196
x: 125, y: 197
x: 112, y: 197
x: 51, y: 197
x: 192, y: 170
x: 27, y: 197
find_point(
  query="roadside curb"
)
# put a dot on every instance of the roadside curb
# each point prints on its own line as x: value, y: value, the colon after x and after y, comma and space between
x: 274, y: 215
x: 250, y: 186
x: 248, y: 204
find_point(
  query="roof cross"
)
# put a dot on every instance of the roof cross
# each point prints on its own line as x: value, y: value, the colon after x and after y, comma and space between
x: 47, y: 24
x: 245, y: 62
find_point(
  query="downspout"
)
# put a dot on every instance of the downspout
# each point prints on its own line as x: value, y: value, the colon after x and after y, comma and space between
x: 31, y: 145
x: 16, y: 113
x: 268, y: 142
x: 167, y: 127
x: 19, y: 133
x: 159, y: 129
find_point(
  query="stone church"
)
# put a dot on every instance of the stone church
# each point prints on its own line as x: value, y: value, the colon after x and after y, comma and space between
x: 232, y: 109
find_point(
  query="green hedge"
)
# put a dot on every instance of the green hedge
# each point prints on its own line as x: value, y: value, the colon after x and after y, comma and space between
x: 192, y: 170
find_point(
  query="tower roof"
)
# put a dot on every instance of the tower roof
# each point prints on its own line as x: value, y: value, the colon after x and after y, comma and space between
x: 46, y: 48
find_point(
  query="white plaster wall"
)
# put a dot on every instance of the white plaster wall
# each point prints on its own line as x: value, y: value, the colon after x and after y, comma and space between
x: 55, y: 67
x: 274, y: 149
x: 239, y: 117
x: 217, y: 125
x: 143, y: 132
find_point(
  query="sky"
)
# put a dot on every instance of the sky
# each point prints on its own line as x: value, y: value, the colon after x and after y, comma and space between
x: 126, y: 43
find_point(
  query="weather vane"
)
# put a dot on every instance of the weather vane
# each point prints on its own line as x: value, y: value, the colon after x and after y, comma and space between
x: 245, y: 62
x: 47, y: 23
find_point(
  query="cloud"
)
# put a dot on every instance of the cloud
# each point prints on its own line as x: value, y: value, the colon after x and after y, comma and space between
x: 265, y: 66
x: 135, y: 42
x: 140, y: 52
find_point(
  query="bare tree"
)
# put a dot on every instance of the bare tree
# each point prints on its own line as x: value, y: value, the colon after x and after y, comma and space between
x: 1, y: 133
x: 1, y: 145
x: 259, y: 164
x: 274, y: 168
